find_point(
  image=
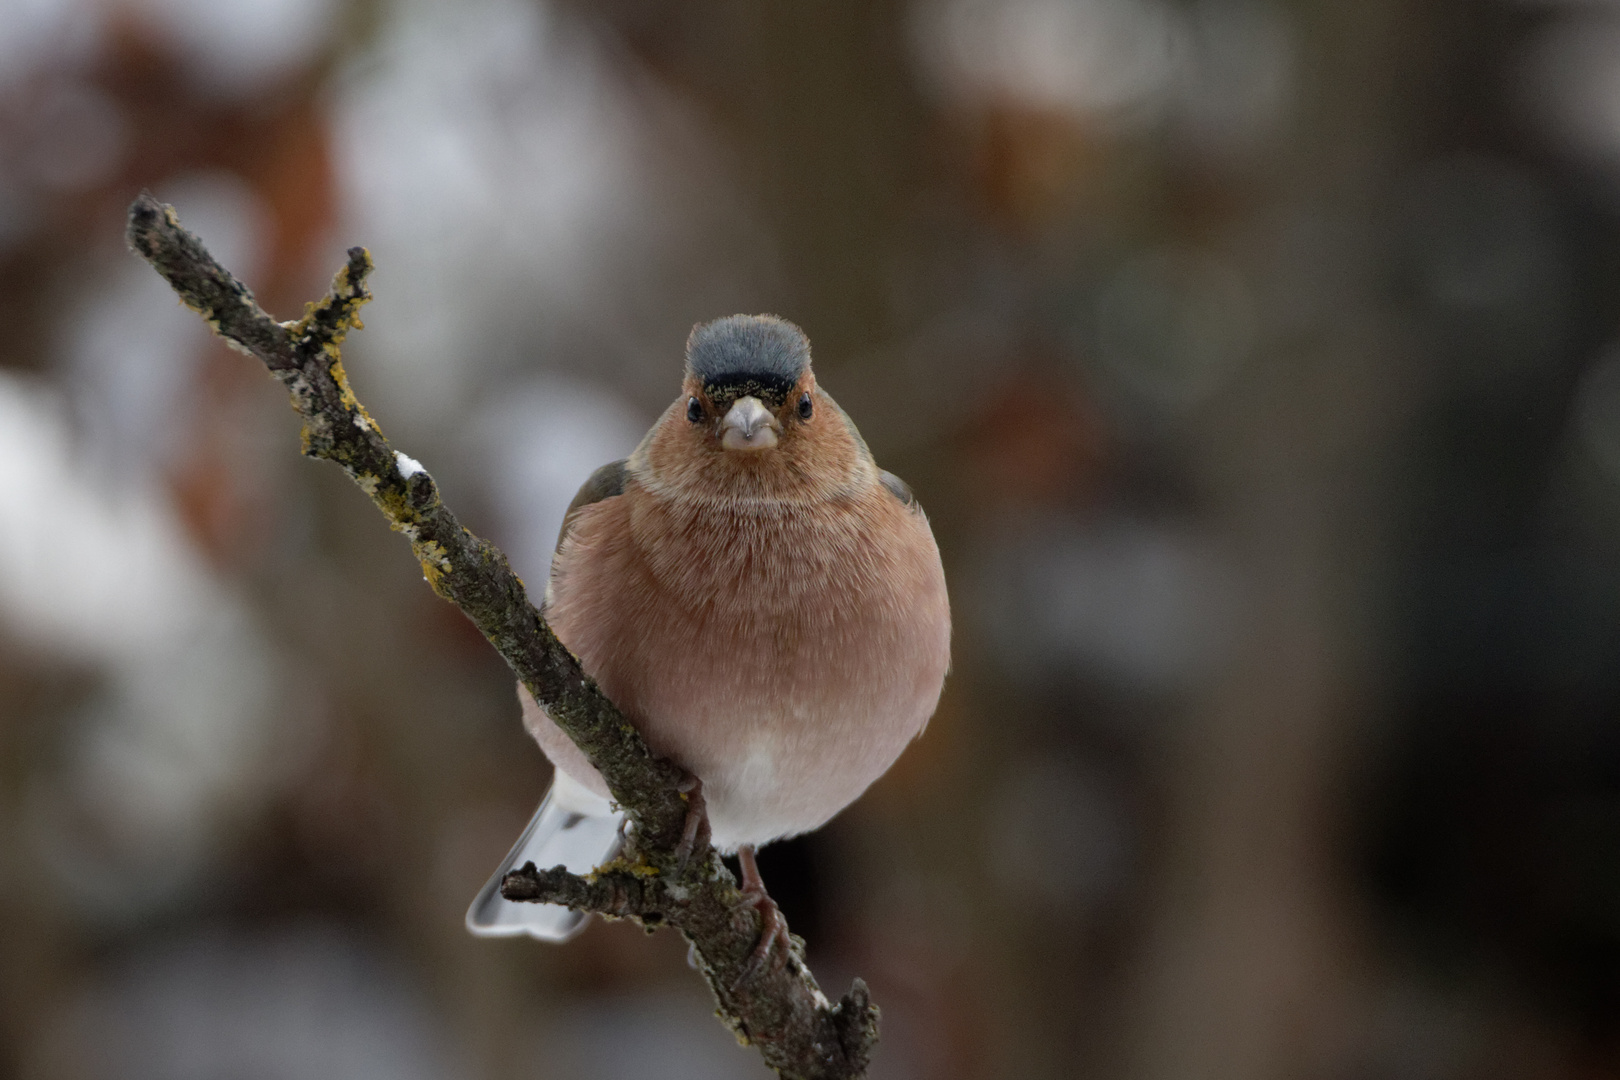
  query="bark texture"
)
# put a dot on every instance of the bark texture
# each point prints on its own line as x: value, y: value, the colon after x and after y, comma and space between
x: 776, y: 1007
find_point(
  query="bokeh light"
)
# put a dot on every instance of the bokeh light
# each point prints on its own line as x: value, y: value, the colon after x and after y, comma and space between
x: 1256, y: 363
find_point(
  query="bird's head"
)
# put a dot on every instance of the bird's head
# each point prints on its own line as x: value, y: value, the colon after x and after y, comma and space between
x: 750, y: 414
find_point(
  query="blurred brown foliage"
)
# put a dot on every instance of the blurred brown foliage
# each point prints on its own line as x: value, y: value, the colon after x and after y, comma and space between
x: 1254, y: 361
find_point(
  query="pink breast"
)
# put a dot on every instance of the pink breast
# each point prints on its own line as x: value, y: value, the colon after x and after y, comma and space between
x: 786, y: 660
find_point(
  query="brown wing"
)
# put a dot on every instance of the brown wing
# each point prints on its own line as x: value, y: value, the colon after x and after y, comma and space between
x: 898, y: 488
x: 604, y: 483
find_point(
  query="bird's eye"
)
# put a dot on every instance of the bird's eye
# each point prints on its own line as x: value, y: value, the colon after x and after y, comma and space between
x: 694, y: 410
x: 805, y: 408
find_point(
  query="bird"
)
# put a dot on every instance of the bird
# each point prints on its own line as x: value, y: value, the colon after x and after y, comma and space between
x: 763, y: 602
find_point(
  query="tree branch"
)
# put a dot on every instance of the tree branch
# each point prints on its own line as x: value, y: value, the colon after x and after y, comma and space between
x: 778, y: 1008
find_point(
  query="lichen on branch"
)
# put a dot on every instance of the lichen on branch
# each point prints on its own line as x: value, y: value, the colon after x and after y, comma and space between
x: 777, y: 1008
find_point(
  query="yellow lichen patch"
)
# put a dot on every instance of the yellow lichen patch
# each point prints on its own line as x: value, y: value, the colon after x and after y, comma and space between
x: 347, y: 297
x: 402, y: 516
x: 434, y: 559
x: 368, y: 484
x: 433, y: 551
x: 621, y: 865
x: 431, y: 574
x: 341, y: 377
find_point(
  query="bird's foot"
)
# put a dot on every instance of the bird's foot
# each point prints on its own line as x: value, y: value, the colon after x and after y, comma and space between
x: 696, y: 825
x: 772, y: 927
x: 773, y: 931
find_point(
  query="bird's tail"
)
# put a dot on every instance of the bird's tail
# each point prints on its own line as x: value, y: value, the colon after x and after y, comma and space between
x: 574, y: 827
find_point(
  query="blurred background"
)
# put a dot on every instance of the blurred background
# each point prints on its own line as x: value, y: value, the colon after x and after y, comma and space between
x: 1257, y: 361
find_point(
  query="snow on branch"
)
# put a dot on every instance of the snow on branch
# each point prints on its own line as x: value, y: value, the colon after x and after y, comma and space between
x: 658, y: 881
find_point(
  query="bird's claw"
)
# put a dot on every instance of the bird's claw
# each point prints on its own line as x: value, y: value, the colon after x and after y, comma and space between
x: 772, y: 927
x: 772, y: 931
x: 696, y: 825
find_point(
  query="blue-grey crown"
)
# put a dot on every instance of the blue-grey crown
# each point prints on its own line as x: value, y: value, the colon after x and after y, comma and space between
x: 748, y: 354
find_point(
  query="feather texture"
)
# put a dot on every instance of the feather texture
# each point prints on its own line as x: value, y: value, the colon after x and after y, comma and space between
x: 774, y: 621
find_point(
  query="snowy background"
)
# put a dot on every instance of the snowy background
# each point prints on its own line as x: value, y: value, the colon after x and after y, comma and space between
x: 1257, y: 361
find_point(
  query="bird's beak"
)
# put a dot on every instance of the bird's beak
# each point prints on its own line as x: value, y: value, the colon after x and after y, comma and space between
x: 748, y: 425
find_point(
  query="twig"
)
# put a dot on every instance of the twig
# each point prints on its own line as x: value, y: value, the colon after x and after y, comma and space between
x: 779, y: 1009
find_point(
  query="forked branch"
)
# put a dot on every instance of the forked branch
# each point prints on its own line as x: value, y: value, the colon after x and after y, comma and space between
x: 778, y: 1008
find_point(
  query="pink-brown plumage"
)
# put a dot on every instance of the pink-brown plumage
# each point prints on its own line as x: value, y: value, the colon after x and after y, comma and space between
x: 775, y: 622
x: 762, y: 601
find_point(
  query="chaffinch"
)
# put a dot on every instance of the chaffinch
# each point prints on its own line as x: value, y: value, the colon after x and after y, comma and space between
x: 760, y: 599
